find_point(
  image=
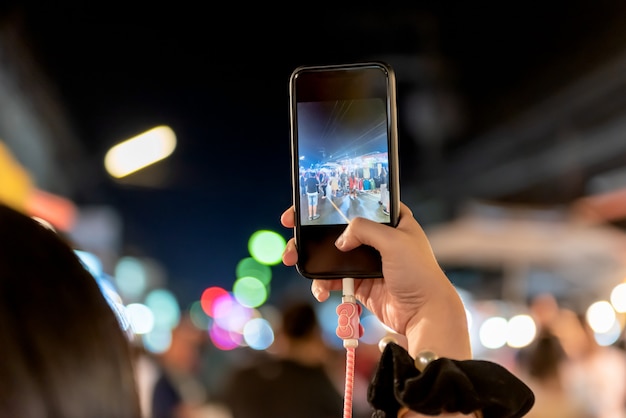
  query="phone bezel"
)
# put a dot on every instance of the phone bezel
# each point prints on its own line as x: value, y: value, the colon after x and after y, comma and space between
x: 318, y: 258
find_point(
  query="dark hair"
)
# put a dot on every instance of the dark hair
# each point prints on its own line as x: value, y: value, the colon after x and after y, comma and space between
x: 545, y: 356
x: 299, y: 320
x: 62, y: 351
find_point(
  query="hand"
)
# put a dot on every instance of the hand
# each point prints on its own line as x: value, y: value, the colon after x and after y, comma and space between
x: 415, y: 298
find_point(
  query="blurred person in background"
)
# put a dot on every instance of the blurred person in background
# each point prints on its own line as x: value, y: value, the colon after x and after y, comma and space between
x: 170, y: 381
x: 543, y: 363
x: 596, y: 374
x: 291, y: 382
x: 571, y: 373
x: 542, y: 366
x: 62, y: 351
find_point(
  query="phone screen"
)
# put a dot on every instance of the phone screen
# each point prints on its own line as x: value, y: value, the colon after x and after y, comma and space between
x: 344, y: 162
x: 343, y: 159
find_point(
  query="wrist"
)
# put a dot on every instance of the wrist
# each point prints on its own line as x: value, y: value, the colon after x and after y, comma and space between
x: 440, y: 328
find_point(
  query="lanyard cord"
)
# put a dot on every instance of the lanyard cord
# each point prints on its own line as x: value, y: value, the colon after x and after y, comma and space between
x: 350, y: 330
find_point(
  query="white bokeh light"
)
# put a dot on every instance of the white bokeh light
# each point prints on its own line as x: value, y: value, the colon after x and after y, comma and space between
x: 601, y: 316
x: 521, y: 331
x: 141, y: 318
x: 493, y: 332
x: 618, y: 297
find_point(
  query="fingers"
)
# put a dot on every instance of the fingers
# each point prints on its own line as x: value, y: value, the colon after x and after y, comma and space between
x: 321, y: 288
x: 287, y: 219
x: 290, y: 254
x: 359, y: 231
x: 363, y: 231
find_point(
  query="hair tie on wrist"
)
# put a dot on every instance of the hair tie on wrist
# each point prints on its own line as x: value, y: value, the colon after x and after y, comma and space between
x: 445, y: 385
x: 423, y: 359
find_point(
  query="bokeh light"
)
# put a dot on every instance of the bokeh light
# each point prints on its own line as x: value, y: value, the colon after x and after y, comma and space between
x: 141, y: 318
x: 493, y: 332
x: 140, y: 151
x: 328, y: 319
x: 224, y: 339
x: 618, y: 297
x: 267, y: 246
x: 165, y: 308
x: 373, y: 329
x: 209, y: 296
x: 157, y: 340
x: 231, y: 315
x: 250, y: 267
x: 610, y: 336
x: 521, y: 331
x: 258, y: 334
x: 250, y: 291
x: 600, y: 316
x: 130, y: 278
x: 198, y: 317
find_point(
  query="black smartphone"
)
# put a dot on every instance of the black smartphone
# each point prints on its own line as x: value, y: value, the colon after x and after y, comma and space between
x: 344, y: 148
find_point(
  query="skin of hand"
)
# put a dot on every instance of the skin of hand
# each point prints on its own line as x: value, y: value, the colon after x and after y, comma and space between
x: 415, y: 298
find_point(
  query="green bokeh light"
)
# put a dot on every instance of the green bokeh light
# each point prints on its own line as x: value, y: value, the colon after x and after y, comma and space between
x: 165, y: 308
x: 199, y: 318
x: 250, y: 267
x: 267, y: 246
x: 250, y: 291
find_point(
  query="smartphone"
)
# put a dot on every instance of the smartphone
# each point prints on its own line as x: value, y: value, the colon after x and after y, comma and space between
x: 344, y: 148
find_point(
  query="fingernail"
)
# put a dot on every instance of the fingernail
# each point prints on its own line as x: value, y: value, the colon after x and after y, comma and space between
x: 316, y: 293
x: 339, y: 241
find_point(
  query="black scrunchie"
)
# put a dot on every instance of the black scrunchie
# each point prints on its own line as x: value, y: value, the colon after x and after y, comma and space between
x: 446, y: 385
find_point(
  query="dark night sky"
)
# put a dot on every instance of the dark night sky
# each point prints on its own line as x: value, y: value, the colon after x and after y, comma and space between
x: 219, y: 77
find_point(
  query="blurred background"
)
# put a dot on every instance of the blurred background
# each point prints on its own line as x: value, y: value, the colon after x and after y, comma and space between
x: 512, y: 128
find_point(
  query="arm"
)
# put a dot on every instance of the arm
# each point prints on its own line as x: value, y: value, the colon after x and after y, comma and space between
x: 417, y: 300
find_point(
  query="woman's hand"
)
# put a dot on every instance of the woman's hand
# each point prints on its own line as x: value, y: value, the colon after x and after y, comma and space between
x: 415, y: 298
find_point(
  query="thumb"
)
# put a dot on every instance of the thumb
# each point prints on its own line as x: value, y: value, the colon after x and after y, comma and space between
x: 380, y: 236
x: 364, y: 231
